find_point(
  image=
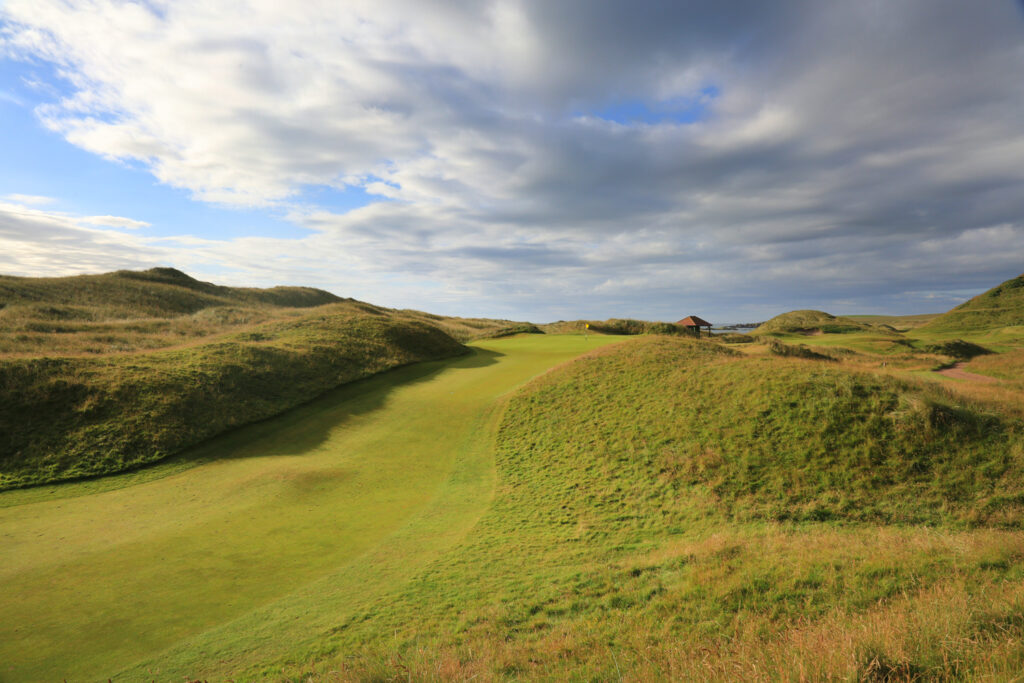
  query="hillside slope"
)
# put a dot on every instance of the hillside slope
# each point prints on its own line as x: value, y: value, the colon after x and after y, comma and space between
x: 136, y: 311
x: 156, y: 292
x: 810, y: 321
x: 776, y: 438
x: 72, y: 417
x: 1001, y: 306
x: 100, y: 373
x: 62, y: 418
x: 616, y: 326
x: 352, y: 492
x: 668, y: 510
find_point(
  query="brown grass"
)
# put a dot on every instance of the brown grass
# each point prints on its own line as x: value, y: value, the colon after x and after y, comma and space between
x: 948, y: 632
x: 965, y: 625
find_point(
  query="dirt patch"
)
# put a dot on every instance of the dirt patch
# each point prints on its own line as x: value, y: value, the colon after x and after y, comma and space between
x: 957, y: 372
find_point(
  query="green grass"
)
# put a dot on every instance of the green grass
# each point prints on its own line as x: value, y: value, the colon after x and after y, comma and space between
x: 783, y: 439
x: 900, y: 323
x: 660, y: 508
x: 816, y: 322
x: 65, y: 418
x: 152, y: 293
x: 847, y: 344
x: 105, y: 373
x: 137, y: 311
x: 632, y: 536
x: 812, y: 505
x: 263, y: 534
x: 1000, y: 307
x: 619, y: 326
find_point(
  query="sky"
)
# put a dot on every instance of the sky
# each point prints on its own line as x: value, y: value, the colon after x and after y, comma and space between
x: 523, y: 159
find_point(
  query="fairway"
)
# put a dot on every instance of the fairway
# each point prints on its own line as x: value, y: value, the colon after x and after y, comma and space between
x: 212, y: 561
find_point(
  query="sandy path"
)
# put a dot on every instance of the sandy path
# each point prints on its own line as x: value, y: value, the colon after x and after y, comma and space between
x: 957, y: 372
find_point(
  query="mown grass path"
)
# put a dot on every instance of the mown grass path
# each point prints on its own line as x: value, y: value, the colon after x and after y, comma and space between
x: 253, y: 544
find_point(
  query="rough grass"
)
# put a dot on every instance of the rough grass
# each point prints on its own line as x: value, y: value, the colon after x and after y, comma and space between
x: 957, y: 348
x: 103, y: 373
x: 243, y: 549
x: 900, y: 323
x: 628, y: 539
x: 157, y: 292
x: 777, y: 348
x: 1002, y: 306
x: 617, y: 326
x: 64, y: 418
x: 661, y: 509
x: 130, y: 312
x: 820, y: 322
x: 784, y: 439
x: 470, y: 329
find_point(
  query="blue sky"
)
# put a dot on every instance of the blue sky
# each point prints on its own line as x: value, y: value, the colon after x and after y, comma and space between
x: 41, y: 162
x: 523, y: 159
x: 679, y: 110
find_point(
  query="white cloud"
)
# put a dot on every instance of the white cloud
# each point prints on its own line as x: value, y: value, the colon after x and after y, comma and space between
x: 29, y: 199
x: 115, y: 222
x: 843, y: 140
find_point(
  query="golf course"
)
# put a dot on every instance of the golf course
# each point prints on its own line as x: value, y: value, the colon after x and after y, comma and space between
x: 240, y: 549
x: 212, y: 484
x: 503, y: 341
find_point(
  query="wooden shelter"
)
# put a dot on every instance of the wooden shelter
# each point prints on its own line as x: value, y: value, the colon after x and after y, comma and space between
x: 693, y: 324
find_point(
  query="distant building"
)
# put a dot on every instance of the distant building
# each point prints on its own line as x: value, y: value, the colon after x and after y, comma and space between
x: 693, y: 324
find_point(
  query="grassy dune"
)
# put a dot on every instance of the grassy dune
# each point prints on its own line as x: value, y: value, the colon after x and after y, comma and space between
x: 263, y: 537
x: 1000, y: 307
x: 814, y: 504
x: 992, y: 321
x: 64, y: 418
x: 900, y: 323
x: 136, y: 311
x: 103, y: 373
x: 137, y: 294
x: 640, y: 488
x: 814, y: 322
x: 622, y: 326
x: 661, y: 508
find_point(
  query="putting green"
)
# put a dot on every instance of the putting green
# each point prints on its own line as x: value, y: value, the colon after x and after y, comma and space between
x: 248, y: 547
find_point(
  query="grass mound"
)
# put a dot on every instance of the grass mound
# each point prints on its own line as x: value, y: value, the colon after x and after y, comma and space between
x: 623, y: 326
x: 510, y: 330
x: 957, y: 348
x: 811, y: 321
x: 735, y: 338
x: 156, y: 292
x: 897, y: 323
x: 63, y: 418
x: 101, y: 373
x: 777, y: 348
x: 1001, y: 306
x: 616, y: 548
x: 774, y: 438
x: 468, y: 329
x: 132, y: 311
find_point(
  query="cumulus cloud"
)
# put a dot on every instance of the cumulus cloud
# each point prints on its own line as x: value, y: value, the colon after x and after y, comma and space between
x: 38, y: 242
x: 115, y: 222
x: 841, y: 152
x: 29, y: 199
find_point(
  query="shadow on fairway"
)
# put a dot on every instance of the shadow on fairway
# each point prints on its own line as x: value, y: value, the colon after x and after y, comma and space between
x: 305, y: 427
x: 294, y: 432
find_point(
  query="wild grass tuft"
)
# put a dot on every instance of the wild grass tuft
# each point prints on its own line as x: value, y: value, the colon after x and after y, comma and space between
x: 668, y: 509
